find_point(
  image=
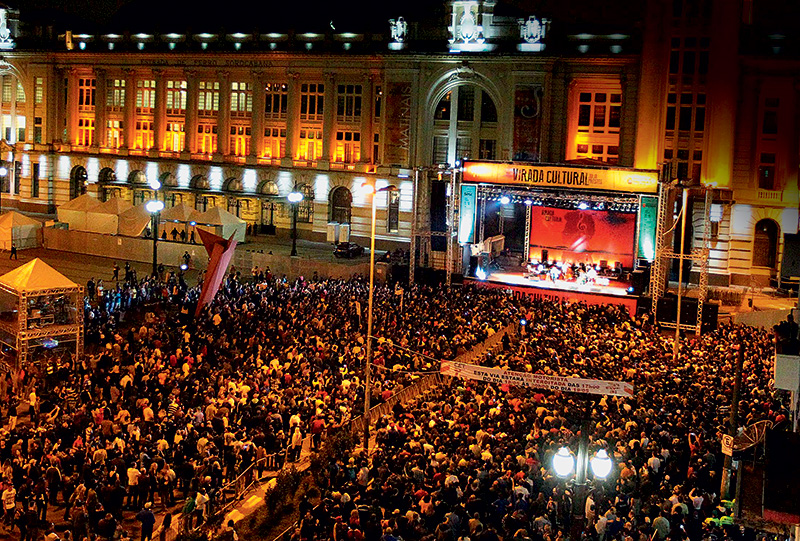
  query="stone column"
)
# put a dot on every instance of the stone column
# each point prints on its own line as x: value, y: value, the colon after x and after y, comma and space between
x: 292, y: 118
x: 367, y: 103
x: 257, y: 118
x: 54, y: 112
x: 72, y: 105
x: 14, y: 87
x: 129, y: 130
x: 224, y: 115
x: 160, y: 112
x: 329, y: 121
x: 100, y: 132
x: 190, y: 129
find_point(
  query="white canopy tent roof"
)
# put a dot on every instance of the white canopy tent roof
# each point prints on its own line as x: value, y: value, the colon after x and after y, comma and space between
x: 179, y: 213
x: 133, y: 221
x: 221, y: 222
x: 19, y: 230
x: 74, y: 212
x: 105, y: 218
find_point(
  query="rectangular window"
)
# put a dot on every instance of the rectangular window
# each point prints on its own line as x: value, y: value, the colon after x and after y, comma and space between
x: 487, y: 149
x: 378, y: 102
x: 312, y: 97
x: 37, y: 129
x: 144, y: 134
x: 206, y: 138
x: 769, y: 125
x: 175, y: 138
x: 7, y: 82
x: 348, y: 103
x: 766, y: 171
x: 463, y: 147
x: 176, y: 98
x: 21, y: 93
x: 208, y: 98
x: 348, y: 146
x: 276, y: 100
x: 443, y: 110
x: 376, y: 148
x: 393, y: 212
x: 310, y: 144
x: 114, y: 133
x: 38, y: 90
x: 145, y: 96
x: 596, y: 120
x: 85, y: 132
x: 274, y: 143
x: 115, y: 95
x: 86, y: 90
x: 35, y: 180
x: 241, y: 99
x: 685, y: 120
x: 439, y: 149
x: 466, y: 103
x: 488, y: 109
x: 240, y: 140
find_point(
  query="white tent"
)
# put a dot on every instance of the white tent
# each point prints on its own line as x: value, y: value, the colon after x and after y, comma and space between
x: 179, y: 213
x: 74, y: 212
x: 221, y: 222
x: 20, y: 230
x: 105, y: 218
x: 133, y: 221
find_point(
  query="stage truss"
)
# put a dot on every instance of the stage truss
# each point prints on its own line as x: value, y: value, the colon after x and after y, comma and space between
x: 666, y: 229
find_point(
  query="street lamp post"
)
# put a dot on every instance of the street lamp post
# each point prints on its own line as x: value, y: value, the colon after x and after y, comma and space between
x: 155, y: 207
x: 294, y: 199
x: 368, y: 371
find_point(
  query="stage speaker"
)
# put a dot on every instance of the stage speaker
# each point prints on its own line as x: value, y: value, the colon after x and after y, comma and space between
x: 665, y: 310
x: 710, y: 316
x: 639, y: 279
x: 688, y: 312
x: 473, y: 266
x: 782, y: 478
x: 438, y: 206
x: 790, y: 264
x: 457, y: 279
x: 545, y: 254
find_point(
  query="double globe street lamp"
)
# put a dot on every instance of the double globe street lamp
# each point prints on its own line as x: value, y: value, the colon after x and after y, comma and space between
x: 564, y: 463
x: 154, y: 208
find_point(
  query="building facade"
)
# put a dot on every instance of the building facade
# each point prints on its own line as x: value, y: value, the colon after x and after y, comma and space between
x: 701, y: 89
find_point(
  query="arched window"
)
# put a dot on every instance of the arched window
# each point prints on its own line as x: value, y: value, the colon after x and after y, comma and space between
x: 765, y: 244
x: 137, y: 177
x: 470, y: 112
x: 79, y: 179
x: 305, y: 209
x: 341, y: 201
x: 107, y: 175
x: 268, y: 187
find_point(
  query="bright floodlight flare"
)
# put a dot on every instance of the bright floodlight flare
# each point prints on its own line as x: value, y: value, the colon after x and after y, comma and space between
x: 155, y: 184
x: 184, y: 266
x: 563, y: 462
x: 583, y: 205
x: 601, y: 464
x: 154, y: 206
x: 505, y: 200
x: 3, y: 171
x: 295, y: 197
x: 529, y: 202
x: 480, y: 273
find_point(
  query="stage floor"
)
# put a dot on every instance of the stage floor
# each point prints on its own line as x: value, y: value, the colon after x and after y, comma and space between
x: 615, y: 288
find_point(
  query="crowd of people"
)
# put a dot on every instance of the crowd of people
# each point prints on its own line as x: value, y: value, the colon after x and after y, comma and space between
x: 472, y: 461
x: 165, y: 408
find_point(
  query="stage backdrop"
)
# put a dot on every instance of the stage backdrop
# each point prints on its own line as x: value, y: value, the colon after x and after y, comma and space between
x: 583, y: 236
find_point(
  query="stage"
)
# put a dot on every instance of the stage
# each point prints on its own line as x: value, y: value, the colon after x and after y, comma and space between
x: 560, y: 290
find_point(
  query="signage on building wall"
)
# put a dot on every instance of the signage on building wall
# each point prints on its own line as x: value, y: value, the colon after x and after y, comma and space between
x: 527, y: 123
x: 398, y: 123
x: 204, y: 62
x: 562, y: 176
x: 466, y: 226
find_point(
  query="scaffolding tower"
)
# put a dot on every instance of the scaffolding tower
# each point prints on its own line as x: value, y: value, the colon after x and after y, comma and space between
x: 666, y: 228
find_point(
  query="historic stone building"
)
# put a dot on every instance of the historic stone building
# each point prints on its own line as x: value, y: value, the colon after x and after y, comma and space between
x: 703, y: 89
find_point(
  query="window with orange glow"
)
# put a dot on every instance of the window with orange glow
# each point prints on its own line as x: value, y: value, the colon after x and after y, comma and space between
x: 595, y: 118
x: 310, y: 147
x: 274, y: 143
x: 85, y: 132
x: 206, y: 138
x: 348, y: 146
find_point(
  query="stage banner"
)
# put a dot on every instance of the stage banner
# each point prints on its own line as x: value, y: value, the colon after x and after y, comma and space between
x: 562, y: 176
x: 648, y: 217
x: 536, y: 381
x: 467, y: 210
x: 397, y: 99
x: 583, y: 236
x: 527, y: 123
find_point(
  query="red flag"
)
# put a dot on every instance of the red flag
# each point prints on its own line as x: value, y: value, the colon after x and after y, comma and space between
x: 220, y: 252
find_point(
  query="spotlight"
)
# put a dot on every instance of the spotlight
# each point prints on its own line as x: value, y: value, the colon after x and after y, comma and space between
x: 505, y: 200
x: 480, y: 273
x: 630, y: 289
x: 528, y: 202
x: 583, y: 205
x: 184, y: 266
x: 523, y: 322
